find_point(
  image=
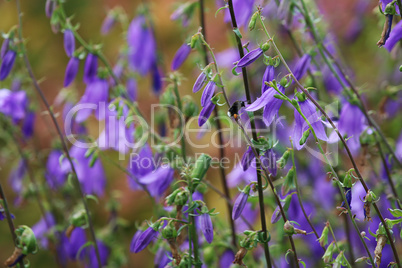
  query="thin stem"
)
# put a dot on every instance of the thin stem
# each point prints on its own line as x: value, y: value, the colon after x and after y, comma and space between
x: 56, y: 125
x: 254, y: 134
x: 348, y: 237
x: 299, y: 194
x: 220, y: 134
x: 9, y: 220
x: 336, y: 244
x: 342, y: 140
x: 179, y: 105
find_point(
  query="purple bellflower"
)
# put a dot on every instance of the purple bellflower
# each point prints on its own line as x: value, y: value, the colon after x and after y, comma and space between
x: 352, y: 126
x: 55, y: 175
x: 268, y: 160
x: 394, y: 36
x: 96, y: 95
x: 240, y: 203
x: 4, y: 47
x: 162, y: 258
x: 74, y: 243
x: 250, y: 57
x: 71, y: 71
x: 302, y: 66
x: 7, y: 64
x: 90, y: 68
x: 200, y: 82
x: 243, y: 10
x: 108, y: 23
x: 208, y: 93
x: 180, y: 56
x: 398, y: 149
x: 158, y: 180
x: 13, y: 104
x: 103, y: 253
x: 143, y: 240
x: 156, y: 79
x: 247, y: 158
x: 132, y: 89
x: 248, y: 213
x: 17, y: 175
x: 42, y: 227
x: 93, y: 178
x: 28, y: 124
x: 309, y: 111
x: 269, y: 75
x: 269, y: 102
x: 226, y: 259
x: 69, y: 42
x: 205, y: 113
x: 206, y: 227
x: 135, y: 239
x: 142, y: 46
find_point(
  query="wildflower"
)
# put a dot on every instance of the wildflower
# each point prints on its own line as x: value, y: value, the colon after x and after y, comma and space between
x: 301, y: 126
x: 162, y: 258
x: 243, y: 10
x: 55, y: 175
x: 156, y: 79
x: 247, y: 158
x: 205, y: 113
x: 74, y: 243
x: 240, y: 203
x: 144, y: 239
x: 268, y: 160
x: 28, y: 124
x: 108, y: 23
x: 132, y: 89
x: 394, y: 36
x: 71, y: 71
x: 7, y: 64
x: 135, y: 239
x: 180, y: 56
x: 96, y: 93
x: 50, y: 6
x: 5, y: 47
x: 206, y: 227
x: 269, y: 75
x: 302, y: 66
x: 13, y: 104
x: 159, y: 180
x: 270, y: 104
x: 250, y: 57
x: 17, y: 175
x: 199, y: 83
x: 226, y: 259
x: 90, y: 68
x: 69, y: 42
x: 42, y: 227
x: 103, y: 254
x: 142, y: 46
x: 208, y: 93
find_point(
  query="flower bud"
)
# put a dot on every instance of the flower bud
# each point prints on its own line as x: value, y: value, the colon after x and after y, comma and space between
x: 240, y: 203
x: 327, y: 257
x: 171, y: 198
x: 289, y: 228
x: 69, y: 42
x: 79, y: 218
x: 7, y: 64
x: 167, y: 98
x: 190, y: 109
x: 26, y: 240
x: 324, y: 236
x: 194, y: 40
x: 206, y: 227
x: 390, y: 9
x: 200, y: 82
x: 181, y: 198
x: 265, y: 46
x: 282, y: 161
x: 305, y: 136
x: 253, y: 21
x: 142, y: 241
x: 201, y: 166
x: 288, y: 181
x: 71, y: 71
x: 169, y: 232
x: 284, y: 82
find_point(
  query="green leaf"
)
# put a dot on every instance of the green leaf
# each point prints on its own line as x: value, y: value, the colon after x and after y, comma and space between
x: 396, y: 212
x: 237, y: 32
x: 92, y: 197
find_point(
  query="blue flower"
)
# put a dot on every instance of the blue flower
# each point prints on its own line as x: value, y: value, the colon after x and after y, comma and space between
x: 28, y: 124
x: 132, y: 89
x: 180, y: 56
x: 156, y: 79
x: 200, y: 82
x: 250, y: 57
x: 302, y: 66
x: 71, y: 70
x: 269, y: 102
x: 309, y: 111
x: 103, y: 254
x: 74, y: 243
x: 108, y: 23
x: 269, y: 75
x: 162, y: 258
x: 7, y: 64
x: 159, y: 180
x: 205, y: 113
x: 208, y: 93
x: 247, y: 158
x: 240, y: 203
x: 69, y: 42
x: 143, y: 239
x: 226, y: 259
x: 206, y: 227
x: 90, y: 68
x: 394, y: 36
x: 5, y: 47
x: 17, y: 175
x: 243, y: 10
x: 55, y: 175
x: 42, y: 228
x: 96, y: 93
x: 13, y: 104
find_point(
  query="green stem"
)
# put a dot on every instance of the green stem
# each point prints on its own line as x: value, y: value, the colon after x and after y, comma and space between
x: 336, y: 245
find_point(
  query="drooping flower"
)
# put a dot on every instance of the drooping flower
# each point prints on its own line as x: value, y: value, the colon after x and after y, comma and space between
x: 135, y: 239
x: 309, y: 111
x: 4, y: 47
x: 74, y: 243
x: 95, y: 96
x: 13, y: 104
x: 156, y: 79
x: 69, y: 42
x: 206, y: 227
x: 27, y: 127
x: 158, y: 180
x: 394, y: 36
x: 90, y: 68
x: 55, y: 175
x: 17, y: 175
x: 208, y: 93
x: 132, y: 89
x: 142, y: 46
x: 240, y: 203
x: 226, y: 259
x: 103, y: 254
x: 180, y: 56
x: 108, y: 23
x: 92, y: 179
x: 269, y: 75
x: 71, y: 70
x: 269, y: 102
x: 200, y: 82
x: 243, y: 10
x: 162, y: 258
x: 205, y: 113
x: 352, y: 126
x: 250, y: 57
x: 247, y: 158
x: 302, y: 66
x: 42, y: 227
x: 7, y: 64
x: 144, y: 239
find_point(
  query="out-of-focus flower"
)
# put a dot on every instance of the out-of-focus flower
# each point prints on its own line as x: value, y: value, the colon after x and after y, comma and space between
x: 4, y: 47
x: 302, y: 66
x: 162, y: 258
x: 226, y: 259
x: 143, y: 239
x: 158, y: 181
x: 71, y: 70
x: 180, y: 56
x: 394, y: 36
x: 398, y: 150
x: 90, y: 68
x: 103, y: 254
x: 132, y: 89
x: 69, y: 42
x: 268, y: 160
x: 142, y: 46
x: 243, y: 10
x: 309, y: 111
x: 7, y: 64
x: 13, y: 104
x: 42, y: 227
x: 96, y: 94
x: 28, y: 124
x: 55, y: 175
x: 17, y: 175
x: 74, y: 243
x: 50, y: 6
x: 108, y: 23
x: 156, y: 79
x: 269, y: 102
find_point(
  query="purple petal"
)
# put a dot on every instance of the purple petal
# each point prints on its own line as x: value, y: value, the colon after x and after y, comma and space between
x: 90, y: 68
x: 250, y: 58
x: 199, y: 83
x: 268, y: 76
x: 7, y: 64
x: 208, y: 93
x: 71, y: 71
x: 239, y: 205
x: 262, y: 101
x: 205, y: 113
x: 206, y: 227
x: 69, y: 42
x: 180, y: 56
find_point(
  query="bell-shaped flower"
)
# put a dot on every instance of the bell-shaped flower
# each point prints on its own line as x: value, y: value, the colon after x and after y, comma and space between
x: 27, y: 127
x: 143, y: 240
x: 13, y: 104
x: 208, y: 93
x: 302, y: 66
x: 240, y: 203
x: 200, y: 82
x: 180, y: 56
x: 103, y: 254
x: 55, y: 175
x: 243, y: 10
x: 96, y: 95
x: 108, y: 23
x: 270, y: 104
x: 205, y: 113
x: 310, y: 112
x: 69, y: 42
x: 4, y: 47
x: 247, y: 158
x: 74, y: 243
x: 206, y: 227
x: 42, y: 228
x: 71, y: 71
x: 159, y: 180
x: 7, y: 63
x: 156, y: 79
x: 250, y: 57
x: 226, y: 259
x: 269, y: 75
x: 162, y: 258
x: 90, y: 68
x: 17, y: 175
